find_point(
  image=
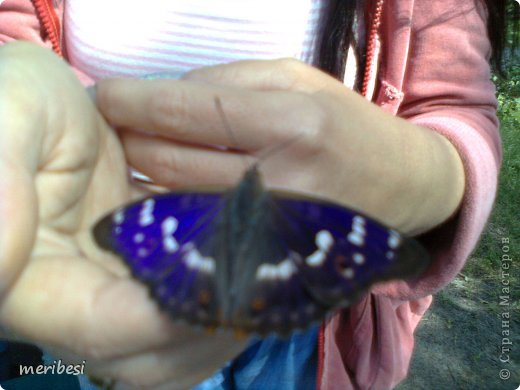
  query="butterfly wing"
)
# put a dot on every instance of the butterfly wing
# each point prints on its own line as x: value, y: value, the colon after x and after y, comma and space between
x: 166, y: 242
x: 305, y: 257
x: 342, y: 251
x: 299, y: 258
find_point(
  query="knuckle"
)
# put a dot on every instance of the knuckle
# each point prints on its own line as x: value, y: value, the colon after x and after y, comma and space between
x: 289, y: 71
x: 312, y: 121
x: 106, y: 98
x: 291, y: 65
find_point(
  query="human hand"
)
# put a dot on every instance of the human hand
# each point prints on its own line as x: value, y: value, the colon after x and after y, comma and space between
x: 61, y: 167
x: 345, y: 148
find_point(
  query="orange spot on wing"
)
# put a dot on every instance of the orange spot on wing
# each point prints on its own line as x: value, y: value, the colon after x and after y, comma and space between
x: 258, y: 304
x: 204, y: 297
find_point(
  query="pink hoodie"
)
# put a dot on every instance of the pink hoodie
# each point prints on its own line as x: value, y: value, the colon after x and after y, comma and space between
x: 431, y: 60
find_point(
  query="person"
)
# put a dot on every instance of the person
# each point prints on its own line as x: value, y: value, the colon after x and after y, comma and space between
x: 424, y: 159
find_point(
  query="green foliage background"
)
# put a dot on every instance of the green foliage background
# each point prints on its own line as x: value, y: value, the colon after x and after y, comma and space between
x: 505, y: 220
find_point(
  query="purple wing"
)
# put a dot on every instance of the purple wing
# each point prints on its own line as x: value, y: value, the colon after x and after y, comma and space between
x: 298, y: 258
x: 343, y: 252
x: 308, y: 257
x: 165, y: 241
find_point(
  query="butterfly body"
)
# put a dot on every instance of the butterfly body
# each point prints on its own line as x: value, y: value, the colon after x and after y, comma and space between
x: 245, y: 226
x: 254, y: 260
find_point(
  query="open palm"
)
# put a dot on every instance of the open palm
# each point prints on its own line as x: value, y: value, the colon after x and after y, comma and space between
x: 61, y: 167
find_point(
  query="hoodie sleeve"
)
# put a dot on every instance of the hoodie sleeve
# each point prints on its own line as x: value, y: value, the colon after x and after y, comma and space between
x: 18, y: 21
x: 447, y: 88
x: 30, y: 21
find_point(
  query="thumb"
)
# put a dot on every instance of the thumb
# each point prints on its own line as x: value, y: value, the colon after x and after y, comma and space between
x: 18, y: 221
x: 22, y: 121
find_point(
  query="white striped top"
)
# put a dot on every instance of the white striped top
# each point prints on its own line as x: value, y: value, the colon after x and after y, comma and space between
x: 130, y: 38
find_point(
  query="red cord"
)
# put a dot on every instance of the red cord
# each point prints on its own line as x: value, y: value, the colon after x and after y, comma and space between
x: 50, y: 22
x: 375, y: 22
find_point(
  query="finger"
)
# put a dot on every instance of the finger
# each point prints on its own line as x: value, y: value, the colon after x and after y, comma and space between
x: 73, y: 304
x: 180, y: 365
x: 285, y: 74
x: 172, y: 164
x: 186, y: 111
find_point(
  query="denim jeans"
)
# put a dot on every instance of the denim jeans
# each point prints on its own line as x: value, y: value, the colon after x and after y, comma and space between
x: 272, y: 363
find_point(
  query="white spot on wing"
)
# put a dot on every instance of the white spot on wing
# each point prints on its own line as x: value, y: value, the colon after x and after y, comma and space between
x: 324, y: 242
x: 348, y: 273
x: 359, y: 220
x: 359, y: 229
x: 358, y: 258
x: 119, y: 217
x: 393, y: 240
x: 316, y: 259
x: 146, y: 214
x: 281, y: 271
x: 138, y: 238
x: 358, y: 232
x: 356, y: 239
x: 170, y: 244
x: 168, y: 227
x: 195, y: 260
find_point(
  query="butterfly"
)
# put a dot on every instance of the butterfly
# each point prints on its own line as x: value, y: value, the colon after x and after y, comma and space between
x: 254, y: 260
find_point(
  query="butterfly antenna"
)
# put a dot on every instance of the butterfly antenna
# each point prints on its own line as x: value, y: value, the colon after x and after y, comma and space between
x: 235, y: 145
x: 277, y: 148
x: 227, y: 127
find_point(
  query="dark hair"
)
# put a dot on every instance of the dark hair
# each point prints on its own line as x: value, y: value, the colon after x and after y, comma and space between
x: 503, y: 41
x: 336, y: 36
x: 337, y: 32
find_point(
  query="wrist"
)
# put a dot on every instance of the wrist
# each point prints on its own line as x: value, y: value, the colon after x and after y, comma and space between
x: 432, y: 180
x: 405, y: 175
